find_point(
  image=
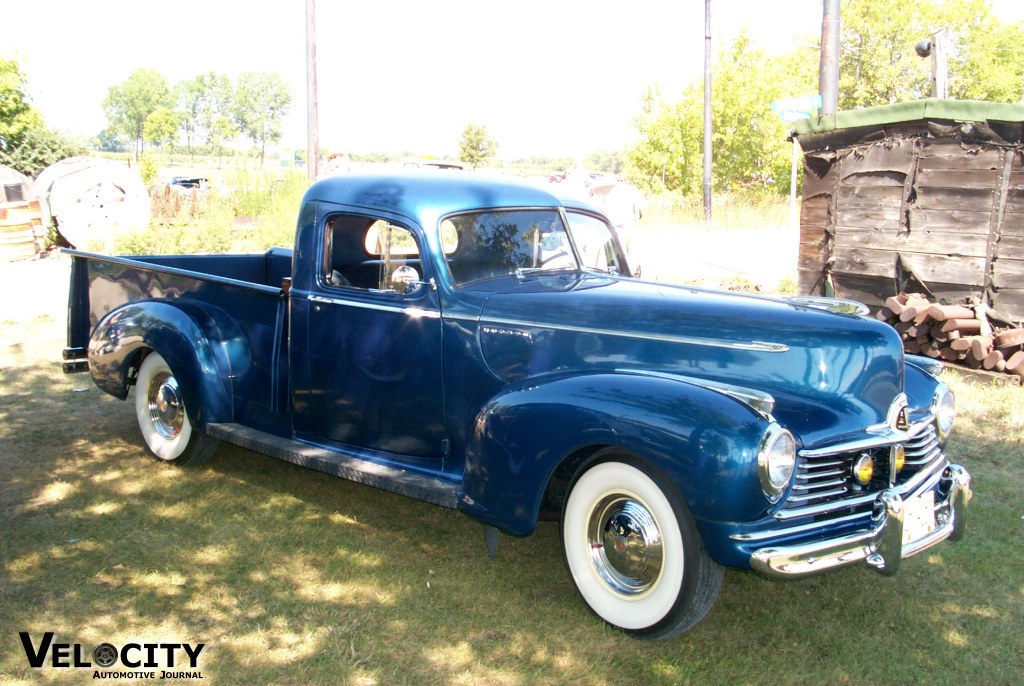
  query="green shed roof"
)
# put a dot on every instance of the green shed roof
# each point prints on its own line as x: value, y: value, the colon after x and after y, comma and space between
x: 915, y: 110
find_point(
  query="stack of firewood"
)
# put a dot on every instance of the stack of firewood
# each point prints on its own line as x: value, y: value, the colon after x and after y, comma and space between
x: 955, y: 333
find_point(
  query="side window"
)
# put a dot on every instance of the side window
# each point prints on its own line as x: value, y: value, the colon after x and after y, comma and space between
x: 370, y: 254
x: 594, y: 242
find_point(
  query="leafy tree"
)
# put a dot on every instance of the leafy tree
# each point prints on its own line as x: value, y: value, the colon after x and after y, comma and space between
x: 109, y: 141
x: 260, y: 103
x: 878, y: 64
x: 38, y: 148
x: 161, y: 127
x: 128, y: 104
x: 605, y: 161
x: 201, y: 100
x: 25, y: 143
x: 17, y: 116
x: 476, y: 146
x: 221, y: 130
x: 749, y: 144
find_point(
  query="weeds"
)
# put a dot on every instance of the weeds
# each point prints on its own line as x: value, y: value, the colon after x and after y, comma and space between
x: 250, y: 212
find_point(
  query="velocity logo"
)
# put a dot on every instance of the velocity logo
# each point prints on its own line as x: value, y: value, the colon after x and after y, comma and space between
x: 107, y: 655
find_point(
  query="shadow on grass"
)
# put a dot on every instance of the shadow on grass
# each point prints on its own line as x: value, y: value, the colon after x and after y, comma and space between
x: 292, y: 576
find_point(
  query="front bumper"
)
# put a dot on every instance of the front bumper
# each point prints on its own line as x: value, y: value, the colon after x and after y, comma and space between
x: 883, y: 545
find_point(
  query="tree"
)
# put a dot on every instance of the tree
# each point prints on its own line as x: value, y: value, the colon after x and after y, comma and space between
x: 26, y: 144
x: 878, y: 64
x: 38, y: 148
x: 750, y: 146
x: 17, y: 116
x: 605, y: 161
x: 260, y: 103
x: 160, y: 127
x: 476, y: 146
x: 128, y: 104
x: 200, y: 101
x: 221, y: 130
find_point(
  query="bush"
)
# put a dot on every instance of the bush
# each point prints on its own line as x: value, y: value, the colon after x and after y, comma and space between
x: 255, y: 211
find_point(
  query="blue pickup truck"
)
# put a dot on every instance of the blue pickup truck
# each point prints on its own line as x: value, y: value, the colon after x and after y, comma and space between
x: 480, y: 345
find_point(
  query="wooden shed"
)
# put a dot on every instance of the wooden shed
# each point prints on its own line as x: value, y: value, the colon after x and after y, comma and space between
x: 924, y: 197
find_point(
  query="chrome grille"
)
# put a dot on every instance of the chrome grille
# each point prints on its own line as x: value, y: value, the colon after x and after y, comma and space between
x: 824, y: 488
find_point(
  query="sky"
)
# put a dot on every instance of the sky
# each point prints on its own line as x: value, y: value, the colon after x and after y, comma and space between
x: 545, y: 78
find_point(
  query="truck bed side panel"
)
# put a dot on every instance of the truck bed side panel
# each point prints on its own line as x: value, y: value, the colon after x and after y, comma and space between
x: 249, y: 319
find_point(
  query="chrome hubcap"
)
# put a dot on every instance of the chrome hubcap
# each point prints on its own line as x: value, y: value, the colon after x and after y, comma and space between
x: 625, y: 545
x: 166, y: 410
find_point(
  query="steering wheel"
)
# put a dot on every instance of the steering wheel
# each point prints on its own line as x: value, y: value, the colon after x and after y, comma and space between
x: 558, y: 255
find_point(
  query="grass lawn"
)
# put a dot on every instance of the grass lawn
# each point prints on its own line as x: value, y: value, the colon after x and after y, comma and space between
x: 293, y: 577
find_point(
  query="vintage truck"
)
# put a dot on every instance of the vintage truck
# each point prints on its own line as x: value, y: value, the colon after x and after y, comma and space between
x: 480, y: 345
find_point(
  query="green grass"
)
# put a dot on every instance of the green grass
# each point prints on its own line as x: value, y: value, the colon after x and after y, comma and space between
x: 294, y: 577
x: 245, y: 211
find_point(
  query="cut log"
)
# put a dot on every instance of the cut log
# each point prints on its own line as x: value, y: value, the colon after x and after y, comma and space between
x: 1015, y: 362
x: 895, y: 303
x: 981, y: 346
x: 993, y: 360
x: 1009, y: 338
x: 962, y: 325
x: 941, y: 313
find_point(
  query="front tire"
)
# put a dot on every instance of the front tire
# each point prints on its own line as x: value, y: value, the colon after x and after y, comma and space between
x: 634, y: 552
x: 163, y: 420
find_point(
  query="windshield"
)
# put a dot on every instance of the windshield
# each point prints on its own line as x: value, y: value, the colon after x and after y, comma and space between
x: 513, y: 242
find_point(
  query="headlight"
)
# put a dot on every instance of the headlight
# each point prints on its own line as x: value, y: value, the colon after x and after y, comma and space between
x: 776, y: 461
x: 944, y: 410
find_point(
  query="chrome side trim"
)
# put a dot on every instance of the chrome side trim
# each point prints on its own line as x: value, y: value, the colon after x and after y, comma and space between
x: 417, y: 312
x: 803, y: 528
x: 757, y: 346
x: 759, y: 401
x: 883, y: 437
x: 836, y: 305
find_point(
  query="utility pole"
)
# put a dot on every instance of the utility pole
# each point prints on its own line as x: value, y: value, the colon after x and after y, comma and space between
x: 937, y: 47
x: 828, y: 65
x: 312, y: 112
x: 940, y: 65
x: 707, y: 110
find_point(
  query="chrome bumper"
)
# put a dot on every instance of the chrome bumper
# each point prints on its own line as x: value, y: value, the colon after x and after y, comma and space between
x: 882, y: 545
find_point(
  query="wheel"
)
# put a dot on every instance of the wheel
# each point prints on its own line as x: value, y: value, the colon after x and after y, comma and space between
x: 634, y: 552
x: 163, y: 421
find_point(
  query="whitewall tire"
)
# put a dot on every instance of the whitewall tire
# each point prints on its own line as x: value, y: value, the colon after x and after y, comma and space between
x: 633, y: 550
x: 163, y: 420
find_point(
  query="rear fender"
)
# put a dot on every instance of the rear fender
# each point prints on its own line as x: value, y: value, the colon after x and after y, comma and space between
x: 704, y: 441
x: 188, y: 336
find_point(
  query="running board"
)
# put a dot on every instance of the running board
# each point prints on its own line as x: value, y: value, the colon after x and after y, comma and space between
x: 392, y: 479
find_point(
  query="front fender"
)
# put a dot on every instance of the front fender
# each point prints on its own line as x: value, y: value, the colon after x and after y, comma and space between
x: 705, y: 442
x: 187, y: 336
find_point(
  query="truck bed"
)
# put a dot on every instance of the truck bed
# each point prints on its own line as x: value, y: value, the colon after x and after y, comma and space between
x: 238, y: 296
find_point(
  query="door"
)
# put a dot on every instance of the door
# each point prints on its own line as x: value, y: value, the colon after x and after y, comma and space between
x: 366, y: 344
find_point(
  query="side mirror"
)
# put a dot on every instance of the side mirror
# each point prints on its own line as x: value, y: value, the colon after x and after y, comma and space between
x: 405, y: 279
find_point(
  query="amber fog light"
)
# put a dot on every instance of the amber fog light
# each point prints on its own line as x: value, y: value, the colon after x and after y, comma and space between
x: 899, y: 458
x: 864, y: 469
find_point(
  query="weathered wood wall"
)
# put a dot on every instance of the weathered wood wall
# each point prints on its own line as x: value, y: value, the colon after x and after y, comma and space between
x: 920, y: 207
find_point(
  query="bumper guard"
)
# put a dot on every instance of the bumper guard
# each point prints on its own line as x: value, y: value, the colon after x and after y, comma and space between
x: 882, y: 546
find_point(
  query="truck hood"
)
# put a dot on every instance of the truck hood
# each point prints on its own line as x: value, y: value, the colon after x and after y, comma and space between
x: 830, y: 374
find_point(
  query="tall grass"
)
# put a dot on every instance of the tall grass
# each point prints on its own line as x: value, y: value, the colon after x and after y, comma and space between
x: 249, y: 211
x: 745, y: 209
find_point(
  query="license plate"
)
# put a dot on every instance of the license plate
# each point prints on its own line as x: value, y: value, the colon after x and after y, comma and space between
x: 918, y: 517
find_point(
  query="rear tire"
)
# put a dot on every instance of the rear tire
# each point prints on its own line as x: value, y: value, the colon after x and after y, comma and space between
x: 163, y: 419
x: 634, y: 552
